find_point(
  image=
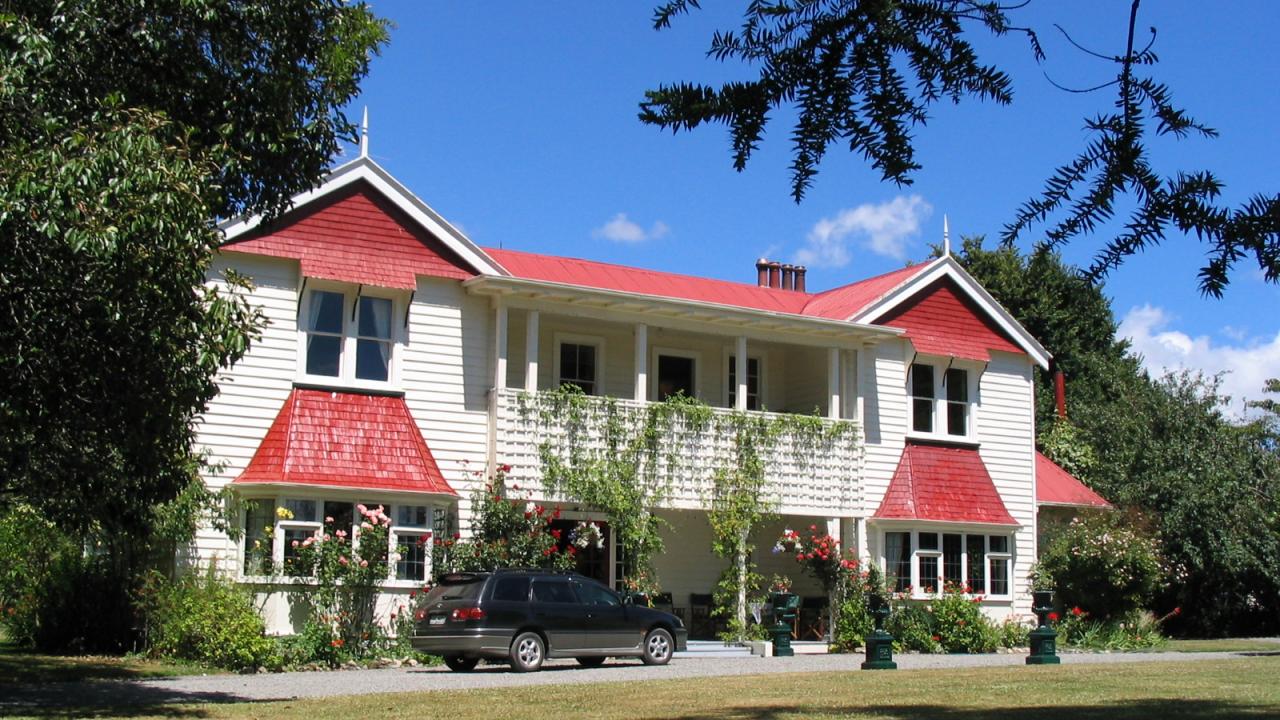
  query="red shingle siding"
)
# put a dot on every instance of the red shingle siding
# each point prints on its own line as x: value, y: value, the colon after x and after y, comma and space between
x: 939, y: 320
x: 943, y: 483
x: 341, y: 439
x: 356, y: 237
x: 1055, y: 486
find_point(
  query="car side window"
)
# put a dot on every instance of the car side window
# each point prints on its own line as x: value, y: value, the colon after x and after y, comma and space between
x: 592, y: 594
x: 553, y: 591
x: 511, y: 589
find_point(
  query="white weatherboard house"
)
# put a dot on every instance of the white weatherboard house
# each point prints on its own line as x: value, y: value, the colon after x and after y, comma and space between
x: 397, y: 352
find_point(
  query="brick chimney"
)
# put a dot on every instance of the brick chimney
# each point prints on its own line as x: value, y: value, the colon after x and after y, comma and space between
x: 1060, y: 393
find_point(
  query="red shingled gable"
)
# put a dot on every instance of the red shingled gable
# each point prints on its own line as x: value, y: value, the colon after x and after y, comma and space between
x: 606, y: 276
x: 944, y: 483
x: 349, y: 440
x: 940, y: 320
x: 1055, y: 486
x: 356, y: 236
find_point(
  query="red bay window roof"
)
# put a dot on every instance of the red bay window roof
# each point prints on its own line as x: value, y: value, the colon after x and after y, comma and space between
x: 345, y: 440
x: 943, y: 483
x: 1055, y: 486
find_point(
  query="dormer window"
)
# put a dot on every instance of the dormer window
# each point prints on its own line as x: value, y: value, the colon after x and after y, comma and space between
x: 348, y: 336
x: 946, y: 413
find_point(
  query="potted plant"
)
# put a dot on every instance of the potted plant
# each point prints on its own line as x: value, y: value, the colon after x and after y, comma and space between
x: 1041, y: 590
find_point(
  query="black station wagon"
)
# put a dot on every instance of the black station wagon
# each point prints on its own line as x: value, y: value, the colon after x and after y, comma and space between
x: 526, y: 616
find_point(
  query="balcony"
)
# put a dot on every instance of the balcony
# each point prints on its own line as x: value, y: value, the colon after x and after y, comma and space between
x: 811, y: 465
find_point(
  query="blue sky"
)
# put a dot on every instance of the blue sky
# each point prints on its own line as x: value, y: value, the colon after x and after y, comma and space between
x: 517, y: 122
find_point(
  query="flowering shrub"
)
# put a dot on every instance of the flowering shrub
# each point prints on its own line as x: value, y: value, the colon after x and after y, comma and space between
x: 1137, y: 630
x: 506, y: 532
x: 587, y: 535
x: 959, y: 625
x: 819, y: 555
x: 338, y: 580
x: 853, y: 620
x: 1105, y: 568
x: 912, y: 628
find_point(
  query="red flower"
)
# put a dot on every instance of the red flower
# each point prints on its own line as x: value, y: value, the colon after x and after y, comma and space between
x: 1176, y: 611
x: 505, y: 468
x: 937, y: 638
x: 413, y: 594
x: 556, y: 514
x: 1077, y: 611
x: 1053, y: 617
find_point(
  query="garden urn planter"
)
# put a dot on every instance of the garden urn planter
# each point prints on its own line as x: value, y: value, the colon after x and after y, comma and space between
x: 1043, y: 639
x: 879, y: 642
x: 785, y: 605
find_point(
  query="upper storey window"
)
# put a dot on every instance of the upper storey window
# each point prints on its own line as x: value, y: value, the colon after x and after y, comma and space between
x: 349, y: 337
x: 941, y: 400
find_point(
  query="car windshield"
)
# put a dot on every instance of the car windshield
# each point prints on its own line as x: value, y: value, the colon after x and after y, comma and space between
x: 455, y: 587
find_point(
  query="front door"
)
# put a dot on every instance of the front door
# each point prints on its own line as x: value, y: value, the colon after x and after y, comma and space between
x: 592, y: 560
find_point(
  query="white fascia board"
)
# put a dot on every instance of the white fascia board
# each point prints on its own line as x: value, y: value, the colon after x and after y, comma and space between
x: 365, y: 169
x: 948, y: 267
x: 510, y: 285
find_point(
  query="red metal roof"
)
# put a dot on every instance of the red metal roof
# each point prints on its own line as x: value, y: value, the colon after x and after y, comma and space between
x: 1055, y: 486
x: 606, y: 276
x: 349, y: 440
x: 940, y: 320
x: 356, y: 237
x: 944, y: 483
x: 846, y: 301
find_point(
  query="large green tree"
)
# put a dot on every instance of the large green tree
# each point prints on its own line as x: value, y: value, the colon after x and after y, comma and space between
x: 865, y: 73
x: 1160, y: 449
x: 127, y: 127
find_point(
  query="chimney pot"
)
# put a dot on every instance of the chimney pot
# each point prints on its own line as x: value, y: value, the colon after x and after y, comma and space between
x: 775, y: 275
x: 788, y: 277
x: 762, y: 272
x: 800, y: 270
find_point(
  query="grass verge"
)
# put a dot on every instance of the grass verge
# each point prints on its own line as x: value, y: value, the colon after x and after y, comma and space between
x: 1221, y: 645
x: 23, y: 666
x: 1207, y: 690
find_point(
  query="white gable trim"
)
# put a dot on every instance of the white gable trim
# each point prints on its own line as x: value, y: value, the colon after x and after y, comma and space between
x: 947, y: 267
x: 365, y: 169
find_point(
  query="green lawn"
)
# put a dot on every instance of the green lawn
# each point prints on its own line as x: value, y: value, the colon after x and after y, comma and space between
x: 1221, y: 645
x: 1209, y: 690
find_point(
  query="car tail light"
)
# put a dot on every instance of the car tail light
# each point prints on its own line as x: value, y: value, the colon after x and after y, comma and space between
x: 470, y: 613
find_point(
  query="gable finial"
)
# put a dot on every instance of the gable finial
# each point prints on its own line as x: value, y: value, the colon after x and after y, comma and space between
x: 364, y: 134
x: 946, y: 238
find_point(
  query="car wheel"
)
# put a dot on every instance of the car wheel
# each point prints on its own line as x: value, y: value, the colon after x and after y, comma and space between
x: 658, y: 647
x: 591, y: 661
x: 527, y: 652
x: 457, y: 663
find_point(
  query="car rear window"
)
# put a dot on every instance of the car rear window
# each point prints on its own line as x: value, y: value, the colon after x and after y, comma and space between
x: 456, y: 587
x: 553, y: 591
x: 511, y: 589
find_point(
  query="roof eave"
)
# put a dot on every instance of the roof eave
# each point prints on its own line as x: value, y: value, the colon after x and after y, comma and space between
x: 296, y: 484
x: 506, y: 285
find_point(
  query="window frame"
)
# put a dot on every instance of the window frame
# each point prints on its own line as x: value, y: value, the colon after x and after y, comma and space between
x: 350, y: 336
x: 730, y: 384
x: 391, y: 507
x: 923, y: 588
x: 559, y: 339
x: 940, y: 404
x: 657, y: 352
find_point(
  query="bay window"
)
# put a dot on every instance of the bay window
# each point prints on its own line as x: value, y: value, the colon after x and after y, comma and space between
x: 946, y: 413
x: 272, y: 525
x: 348, y: 336
x: 925, y: 562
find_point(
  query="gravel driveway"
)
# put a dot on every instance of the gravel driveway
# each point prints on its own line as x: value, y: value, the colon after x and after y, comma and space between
x: 285, y: 686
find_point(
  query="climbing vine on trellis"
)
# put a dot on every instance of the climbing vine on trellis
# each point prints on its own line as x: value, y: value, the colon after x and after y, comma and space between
x: 623, y: 458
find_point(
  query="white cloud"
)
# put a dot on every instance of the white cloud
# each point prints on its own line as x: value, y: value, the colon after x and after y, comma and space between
x: 883, y: 229
x: 1246, y: 364
x: 620, y: 229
